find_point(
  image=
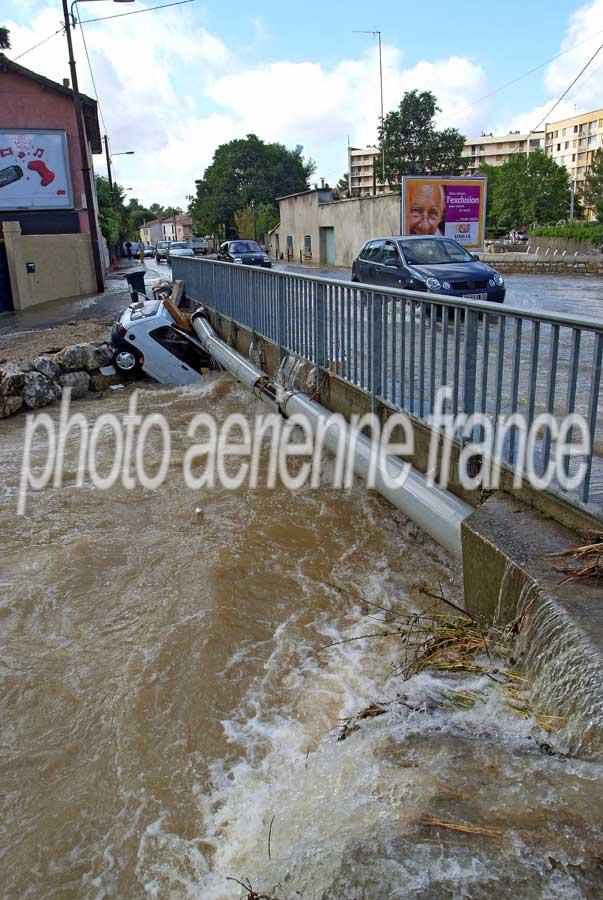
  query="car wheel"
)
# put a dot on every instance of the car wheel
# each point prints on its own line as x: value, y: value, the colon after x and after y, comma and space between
x: 126, y: 360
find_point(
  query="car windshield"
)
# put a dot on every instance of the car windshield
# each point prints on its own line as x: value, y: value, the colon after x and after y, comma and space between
x: 178, y: 245
x: 163, y: 244
x: 433, y: 252
x: 245, y: 247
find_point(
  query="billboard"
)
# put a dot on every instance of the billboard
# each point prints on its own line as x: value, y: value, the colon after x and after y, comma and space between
x: 450, y: 207
x: 34, y: 170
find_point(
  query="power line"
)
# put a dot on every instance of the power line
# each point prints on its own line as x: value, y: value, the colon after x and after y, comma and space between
x: 91, y: 73
x: 568, y: 89
x: 135, y: 12
x: 39, y: 44
x: 513, y: 81
x: 101, y: 19
x: 545, y: 118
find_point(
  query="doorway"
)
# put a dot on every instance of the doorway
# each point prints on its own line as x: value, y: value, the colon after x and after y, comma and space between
x: 327, y: 246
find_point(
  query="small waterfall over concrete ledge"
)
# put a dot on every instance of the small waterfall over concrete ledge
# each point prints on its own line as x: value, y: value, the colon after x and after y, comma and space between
x: 510, y: 576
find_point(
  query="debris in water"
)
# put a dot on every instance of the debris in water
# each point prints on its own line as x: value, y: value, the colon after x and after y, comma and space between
x: 251, y: 894
x: 456, y: 645
x: 351, y: 723
x: 591, y: 557
x: 483, y: 830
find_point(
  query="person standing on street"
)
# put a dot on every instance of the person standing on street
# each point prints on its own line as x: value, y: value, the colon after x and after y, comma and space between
x: 141, y: 253
x: 129, y: 249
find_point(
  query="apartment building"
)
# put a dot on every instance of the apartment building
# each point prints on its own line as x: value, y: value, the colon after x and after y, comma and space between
x: 571, y: 143
x: 495, y: 149
x: 365, y: 168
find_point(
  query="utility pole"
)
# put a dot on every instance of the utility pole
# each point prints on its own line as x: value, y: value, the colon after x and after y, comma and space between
x: 86, y: 173
x: 572, y: 198
x: 255, y: 230
x: 109, y: 176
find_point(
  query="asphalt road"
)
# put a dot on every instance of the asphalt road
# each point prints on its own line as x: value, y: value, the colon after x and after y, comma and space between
x: 558, y: 293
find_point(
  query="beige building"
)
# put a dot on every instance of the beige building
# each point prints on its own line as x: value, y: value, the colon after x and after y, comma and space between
x: 316, y: 229
x: 364, y: 167
x: 571, y: 143
x: 494, y: 150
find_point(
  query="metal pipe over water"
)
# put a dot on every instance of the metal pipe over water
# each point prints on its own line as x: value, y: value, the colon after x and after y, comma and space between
x: 436, y: 511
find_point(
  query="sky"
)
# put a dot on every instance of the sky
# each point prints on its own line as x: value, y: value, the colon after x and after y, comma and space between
x: 174, y: 84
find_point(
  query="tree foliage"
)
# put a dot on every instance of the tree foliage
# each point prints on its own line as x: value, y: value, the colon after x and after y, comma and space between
x: 120, y: 221
x: 4, y: 38
x: 593, y: 192
x: 266, y: 217
x: 526, y: 190
x: 242, y: 170
x: 412, y: 144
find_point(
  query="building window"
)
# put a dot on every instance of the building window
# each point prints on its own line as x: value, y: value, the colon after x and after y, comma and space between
x: 289, y: 243
x: 307, y: 245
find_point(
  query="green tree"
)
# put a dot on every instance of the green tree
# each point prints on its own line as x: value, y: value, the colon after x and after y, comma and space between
x: 111, y: 215
x: 4, y: 38
x: 593, y: 191
x: 413, y: 146
x: 242, y: 170
x: 266, y: 217
x: 527, y: 189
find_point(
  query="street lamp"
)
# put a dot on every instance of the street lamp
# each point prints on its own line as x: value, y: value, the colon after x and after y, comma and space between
x: 81, y: 133
x: 106, y: 142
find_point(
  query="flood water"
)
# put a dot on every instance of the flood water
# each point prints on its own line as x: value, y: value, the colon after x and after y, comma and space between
x: 169, y: 720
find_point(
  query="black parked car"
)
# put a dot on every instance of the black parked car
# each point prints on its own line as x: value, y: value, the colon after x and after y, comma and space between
x: 434, y: 264
x: 246, y: 253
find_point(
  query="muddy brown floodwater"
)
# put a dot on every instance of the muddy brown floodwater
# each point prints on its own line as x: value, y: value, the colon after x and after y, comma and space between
x: 165, y: 706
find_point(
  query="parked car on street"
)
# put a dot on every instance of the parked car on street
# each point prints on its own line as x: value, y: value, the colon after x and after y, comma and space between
x: 247, y: 253
x: 161, y: 251
x: 200, y: 245
x: 149, y: 251
x: 148, y: 337
x: 427, y: 263
x: 179, y: 248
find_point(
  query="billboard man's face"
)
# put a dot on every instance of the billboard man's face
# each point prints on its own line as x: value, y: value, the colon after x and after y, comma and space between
x: 427, y: 206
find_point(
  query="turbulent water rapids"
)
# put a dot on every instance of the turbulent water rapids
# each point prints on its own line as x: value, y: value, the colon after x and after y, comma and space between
x: 169, y: 720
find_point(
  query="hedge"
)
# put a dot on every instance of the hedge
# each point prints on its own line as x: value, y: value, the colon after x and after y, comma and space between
x: 577, y: 231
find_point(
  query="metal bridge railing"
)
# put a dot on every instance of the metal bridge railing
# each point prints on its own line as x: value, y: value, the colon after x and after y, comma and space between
x: 401, y: 346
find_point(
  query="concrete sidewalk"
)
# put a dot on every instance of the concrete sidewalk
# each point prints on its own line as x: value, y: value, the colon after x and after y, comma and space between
x: 107, y: 305
x: 51, y: 326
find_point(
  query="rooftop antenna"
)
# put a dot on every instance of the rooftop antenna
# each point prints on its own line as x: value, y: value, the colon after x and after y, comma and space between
x: 377, y: 34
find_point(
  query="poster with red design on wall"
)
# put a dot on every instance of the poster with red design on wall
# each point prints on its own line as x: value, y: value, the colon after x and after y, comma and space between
x: 34, y: 170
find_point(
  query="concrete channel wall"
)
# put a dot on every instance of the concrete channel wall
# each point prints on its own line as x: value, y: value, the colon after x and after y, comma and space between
x: 507, y: 571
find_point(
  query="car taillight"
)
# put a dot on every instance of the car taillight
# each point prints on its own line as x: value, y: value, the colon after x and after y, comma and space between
x: 121, y: 330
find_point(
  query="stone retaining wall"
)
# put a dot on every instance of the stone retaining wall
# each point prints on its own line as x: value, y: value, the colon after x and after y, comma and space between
x: 532, y: 264
x: 39, y: 382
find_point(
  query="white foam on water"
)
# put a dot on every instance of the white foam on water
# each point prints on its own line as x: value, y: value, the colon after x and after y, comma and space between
x: 344, y: 813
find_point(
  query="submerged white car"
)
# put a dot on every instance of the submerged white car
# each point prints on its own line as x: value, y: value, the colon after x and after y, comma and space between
x: 148, y: 337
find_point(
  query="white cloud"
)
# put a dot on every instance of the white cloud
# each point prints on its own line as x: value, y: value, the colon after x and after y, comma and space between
x: 307, y: 103
x: 148, y: 70
x: 173, y: 92
x: 583, y: 36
